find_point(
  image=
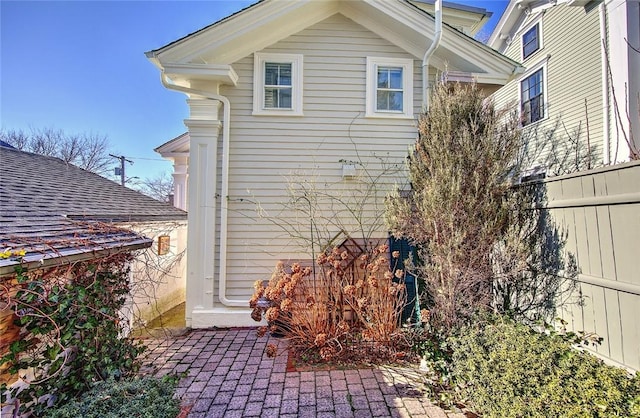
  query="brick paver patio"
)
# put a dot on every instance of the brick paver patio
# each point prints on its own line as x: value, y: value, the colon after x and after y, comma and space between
x: 228, y: 375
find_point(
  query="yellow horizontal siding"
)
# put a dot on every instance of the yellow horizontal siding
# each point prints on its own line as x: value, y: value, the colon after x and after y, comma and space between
x: 266, y: 150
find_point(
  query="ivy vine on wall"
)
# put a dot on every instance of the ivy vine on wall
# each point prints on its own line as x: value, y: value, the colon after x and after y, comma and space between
x: 72, y: 330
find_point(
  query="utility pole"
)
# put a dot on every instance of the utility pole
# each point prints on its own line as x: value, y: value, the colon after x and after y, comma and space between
x: 120, y: 170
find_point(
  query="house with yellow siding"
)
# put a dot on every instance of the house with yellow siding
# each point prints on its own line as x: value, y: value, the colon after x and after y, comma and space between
x: 319, y: 91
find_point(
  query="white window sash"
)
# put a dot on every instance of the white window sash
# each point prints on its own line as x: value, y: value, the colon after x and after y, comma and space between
x: 260, y: 87
x: 373, y: 64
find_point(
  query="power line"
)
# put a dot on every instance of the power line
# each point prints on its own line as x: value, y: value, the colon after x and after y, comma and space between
x: 149, y: 159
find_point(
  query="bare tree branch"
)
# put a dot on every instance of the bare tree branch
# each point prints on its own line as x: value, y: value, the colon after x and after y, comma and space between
x: 158, y: 187
x: 88, y: 151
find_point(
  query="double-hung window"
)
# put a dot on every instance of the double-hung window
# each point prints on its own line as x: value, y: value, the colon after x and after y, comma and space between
x: 277, y: 84
x: 530, y: 41
x: 532, y: 97
x: 389, y: 87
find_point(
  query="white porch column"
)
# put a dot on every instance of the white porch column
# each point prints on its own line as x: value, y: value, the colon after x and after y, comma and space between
x: 204, y: 128
x: 180, y: 182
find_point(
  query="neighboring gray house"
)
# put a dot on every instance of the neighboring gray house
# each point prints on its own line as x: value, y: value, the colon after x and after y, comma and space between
x: 299, y: 89
x: 582, y: 74
x: 59, y: 213
x: 577, y: 54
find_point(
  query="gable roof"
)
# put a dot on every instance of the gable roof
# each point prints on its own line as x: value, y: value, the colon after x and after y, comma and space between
x: 176, y: 146
x: 469, y: 19
x: 36, y: 185
x: 209, y: 53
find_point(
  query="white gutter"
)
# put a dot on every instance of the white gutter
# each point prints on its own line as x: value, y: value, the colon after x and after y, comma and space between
x: 226, y: 122
x: 606, y: 157
x: 427, y: 55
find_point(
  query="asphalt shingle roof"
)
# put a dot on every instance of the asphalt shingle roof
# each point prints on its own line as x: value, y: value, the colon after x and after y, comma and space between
x: 54, y: 211
x: 36, y: 185
x: 48, y: 240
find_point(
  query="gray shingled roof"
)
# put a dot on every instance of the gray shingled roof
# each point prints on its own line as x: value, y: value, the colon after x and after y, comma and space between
x: 54, y: 240
x: 35, y: 185
x: 56, y: 211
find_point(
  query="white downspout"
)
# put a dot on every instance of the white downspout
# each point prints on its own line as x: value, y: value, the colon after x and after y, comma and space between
x: 606, y: 152
x: 427, y: 55
x: 226, y: 122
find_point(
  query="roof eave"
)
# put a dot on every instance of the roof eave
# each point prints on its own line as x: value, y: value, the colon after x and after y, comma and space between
x: 54, y: 259
x: 119, y: 218
x: 220, y: 73
x: 173, y: 144
x: 154, y: 53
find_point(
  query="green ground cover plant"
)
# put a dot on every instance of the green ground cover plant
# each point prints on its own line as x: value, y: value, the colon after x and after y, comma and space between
x: 145, y: 397
x: 501, y: 368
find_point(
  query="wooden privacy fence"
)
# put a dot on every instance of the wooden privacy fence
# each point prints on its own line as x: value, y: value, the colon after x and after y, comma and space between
x: 599, y: 210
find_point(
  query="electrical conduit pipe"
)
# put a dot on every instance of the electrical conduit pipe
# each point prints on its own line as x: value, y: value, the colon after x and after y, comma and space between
x: 427, y: 55
x: 226, y: 119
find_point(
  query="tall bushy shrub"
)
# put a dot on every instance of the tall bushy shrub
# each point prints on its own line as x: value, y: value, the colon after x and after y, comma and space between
x: 533, y: 272
x: 457, y: 208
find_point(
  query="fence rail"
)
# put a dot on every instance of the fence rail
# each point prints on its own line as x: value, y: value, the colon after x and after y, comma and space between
x: 599, y: 211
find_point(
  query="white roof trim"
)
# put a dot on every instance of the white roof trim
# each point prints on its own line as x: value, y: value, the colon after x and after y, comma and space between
x: 221, y: 73
x: 515, y: 12
x: 174, y: 146
x: 480, y: 78
x: 269, y: 21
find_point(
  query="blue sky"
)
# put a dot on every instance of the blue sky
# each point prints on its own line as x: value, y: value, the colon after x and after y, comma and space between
x: 79, y: 66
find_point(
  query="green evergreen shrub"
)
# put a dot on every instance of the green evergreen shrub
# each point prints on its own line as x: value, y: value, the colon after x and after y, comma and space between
x: 457, y: 209
x: 505, y: 369
x: 137, y: 398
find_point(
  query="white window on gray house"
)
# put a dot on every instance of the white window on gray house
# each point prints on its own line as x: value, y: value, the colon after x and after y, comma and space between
x: 389, y: 87
x: 390, y: 90
x: 532, y: 107
x: 278, y: 84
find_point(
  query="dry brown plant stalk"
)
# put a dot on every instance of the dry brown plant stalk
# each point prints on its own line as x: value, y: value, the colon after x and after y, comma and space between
x: 351, y: 305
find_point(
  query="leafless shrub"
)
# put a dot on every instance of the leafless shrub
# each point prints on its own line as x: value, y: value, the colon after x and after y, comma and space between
x: 350, y: 310
x: 557, y: 150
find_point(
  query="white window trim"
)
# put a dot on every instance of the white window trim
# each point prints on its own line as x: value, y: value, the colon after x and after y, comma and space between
x: 525, y: 29
x: 296, y: 60
x: 545, y: 91
x: 407, y: 86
